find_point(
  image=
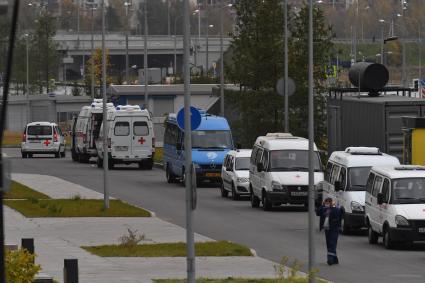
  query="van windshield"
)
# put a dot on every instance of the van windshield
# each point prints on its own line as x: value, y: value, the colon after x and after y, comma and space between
x: 408, y: 190
x: 357, y: 178
x: 39, y: 130
x: 292, y: 160
x: 212, y: 139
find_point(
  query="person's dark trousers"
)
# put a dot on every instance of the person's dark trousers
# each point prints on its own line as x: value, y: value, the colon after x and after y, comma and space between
x: 331, y: 242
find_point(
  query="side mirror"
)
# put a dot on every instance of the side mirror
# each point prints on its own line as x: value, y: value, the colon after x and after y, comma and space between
x: 380, y: 198
x: 228, y: 168
x: 179, y: 146
x: 260, y: 167
x: 338, y: 186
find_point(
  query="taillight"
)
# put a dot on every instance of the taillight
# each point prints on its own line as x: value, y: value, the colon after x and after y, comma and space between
x: 153, y: 142
x: 109, y: 142
x: 55, y: 137
x: 24, y: 137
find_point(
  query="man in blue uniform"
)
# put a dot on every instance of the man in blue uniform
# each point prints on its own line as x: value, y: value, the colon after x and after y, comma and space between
x: 330, y: 220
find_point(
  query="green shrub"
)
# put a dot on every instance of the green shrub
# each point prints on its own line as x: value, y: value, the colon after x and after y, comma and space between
x: 33, y: 200
x: 20, y: 267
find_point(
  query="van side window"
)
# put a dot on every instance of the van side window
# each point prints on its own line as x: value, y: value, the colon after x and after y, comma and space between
x: 140, y: 128
x: 265, y: 160
x: 328, y: 171
x: 386, y: 190
x: 343, y: 177
x: 122, y: 129
x: 369, y: 184
x: 253, y: 154
x: 258, y: 156
x: 335, y: 171
x: 376, y: 186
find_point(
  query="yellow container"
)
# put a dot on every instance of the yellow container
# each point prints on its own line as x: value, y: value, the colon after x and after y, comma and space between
x: 418, y: 146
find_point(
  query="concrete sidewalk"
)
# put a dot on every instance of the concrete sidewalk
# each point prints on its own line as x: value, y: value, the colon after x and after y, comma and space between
x: 57, y: 239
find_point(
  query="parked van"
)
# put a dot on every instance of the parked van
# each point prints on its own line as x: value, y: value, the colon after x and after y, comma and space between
x: 42, y: 138
x: 235, y: 173
x: 345, y: 181
x: 87, y: 127
x: 130, y: 138
x: 278, y: 172
x: 210, y: 143
x: 395, y: 204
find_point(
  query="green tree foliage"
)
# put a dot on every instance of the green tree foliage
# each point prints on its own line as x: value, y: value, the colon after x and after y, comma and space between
x: 20, y: 267
x: 97, y: 70
x: 257, y: 64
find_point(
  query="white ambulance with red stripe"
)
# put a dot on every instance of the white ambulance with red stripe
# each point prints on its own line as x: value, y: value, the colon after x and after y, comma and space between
x: 130, y: 137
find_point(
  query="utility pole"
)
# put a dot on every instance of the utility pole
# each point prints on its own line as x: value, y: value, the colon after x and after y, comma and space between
x: 311, y: 249
x: 105, y: 114
x: 145, y: 60
x: 207, y: 26
x: 27, y: 78
x: 126, y: 4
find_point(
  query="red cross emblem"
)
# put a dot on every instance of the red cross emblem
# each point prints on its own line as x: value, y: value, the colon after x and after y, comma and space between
x: 142, y: 140
x: 46, y: 142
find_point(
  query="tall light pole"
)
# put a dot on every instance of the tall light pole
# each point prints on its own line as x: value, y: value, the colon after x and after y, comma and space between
x: 206, y: 37
x: 222, y: 58
x: 145, y: 59
x: 126, y: 4
x: 190, y: 245
x: 207, y: 47
x: 286, y: 68
x: 105, y: 120
x: 382, y: 21
x: 198, y: 43
x: 92, y: 52
x: 311, y: 249
x: 27, y: 78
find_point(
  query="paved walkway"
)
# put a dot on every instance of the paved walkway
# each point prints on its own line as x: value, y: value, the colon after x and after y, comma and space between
x: 57, y: 239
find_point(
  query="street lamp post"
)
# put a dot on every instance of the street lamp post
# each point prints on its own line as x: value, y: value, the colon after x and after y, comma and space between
x: 198, y: 43
x: 27, y: 78
x: 92, y: 52
x: 222, y: 59
x: 382, y: 21
x: 145, y: 59
x: 126, y: 4
x: 286, y: 68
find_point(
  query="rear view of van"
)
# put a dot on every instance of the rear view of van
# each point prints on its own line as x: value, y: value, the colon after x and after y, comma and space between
x: 130, y: 137
x: 42, y: 138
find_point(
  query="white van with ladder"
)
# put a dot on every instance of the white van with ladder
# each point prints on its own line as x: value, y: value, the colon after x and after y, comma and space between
x: 130, y: 137
x: 87, y: 129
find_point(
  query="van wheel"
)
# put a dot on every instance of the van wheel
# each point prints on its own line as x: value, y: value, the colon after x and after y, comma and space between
x: 235, y: 195
x: 388, y: 243
x: 99, y: 162
x: 344, y: 229
x: 110, y: 164
x: 372, y: 236
x: 255, y: 201
x: 63, y: 154
x: 224, y: 192
x: 57, y: 154
x: 169, y: 176
x: 29, y: 155
x: 267, y: 205
x: 148, y: 164
x: 24, y: 155
x: 74, y: 155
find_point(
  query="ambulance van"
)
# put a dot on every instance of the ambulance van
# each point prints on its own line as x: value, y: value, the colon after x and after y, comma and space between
x: 130, y: 137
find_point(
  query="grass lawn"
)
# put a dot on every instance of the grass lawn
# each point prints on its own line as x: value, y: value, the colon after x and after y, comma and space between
x: 12, y: 138
x: 159, y: 151
x: 19, y: 191
x: 220, y: 248
x: 75, y: 208
x: 239, y: 280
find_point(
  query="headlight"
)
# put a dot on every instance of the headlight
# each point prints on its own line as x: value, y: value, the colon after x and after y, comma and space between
x: 355, y: 206
x: 401, y: 221
x: 242, y: 180
x: 276, y: 186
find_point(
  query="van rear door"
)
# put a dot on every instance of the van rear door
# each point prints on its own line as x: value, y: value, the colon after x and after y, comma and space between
x: 39, y: 137
x: 142, y: 137
x: 121, y: 137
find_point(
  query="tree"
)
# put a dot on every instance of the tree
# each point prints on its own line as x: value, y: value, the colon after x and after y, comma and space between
x: 257, y: 64
x: 97, y: 57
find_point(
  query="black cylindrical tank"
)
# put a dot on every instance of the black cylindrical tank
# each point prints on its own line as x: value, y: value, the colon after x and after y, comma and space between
x: 371, y: 76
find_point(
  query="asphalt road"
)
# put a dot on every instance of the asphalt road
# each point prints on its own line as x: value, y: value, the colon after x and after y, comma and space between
x: 276, y: 234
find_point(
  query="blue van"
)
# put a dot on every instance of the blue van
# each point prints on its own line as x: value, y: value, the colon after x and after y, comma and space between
x: 210, y: 143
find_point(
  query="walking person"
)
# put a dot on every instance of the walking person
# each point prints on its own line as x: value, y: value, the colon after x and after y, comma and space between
x: 330, y: 221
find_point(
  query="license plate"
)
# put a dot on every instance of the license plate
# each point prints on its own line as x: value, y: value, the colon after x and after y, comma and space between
x: 213, y: 174
x: 35, y: 141
x: 421, y: 229
x: 299, y: 194
x: 121, y: 148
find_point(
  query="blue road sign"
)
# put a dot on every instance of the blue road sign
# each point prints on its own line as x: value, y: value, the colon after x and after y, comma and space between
x: 195, y: 118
